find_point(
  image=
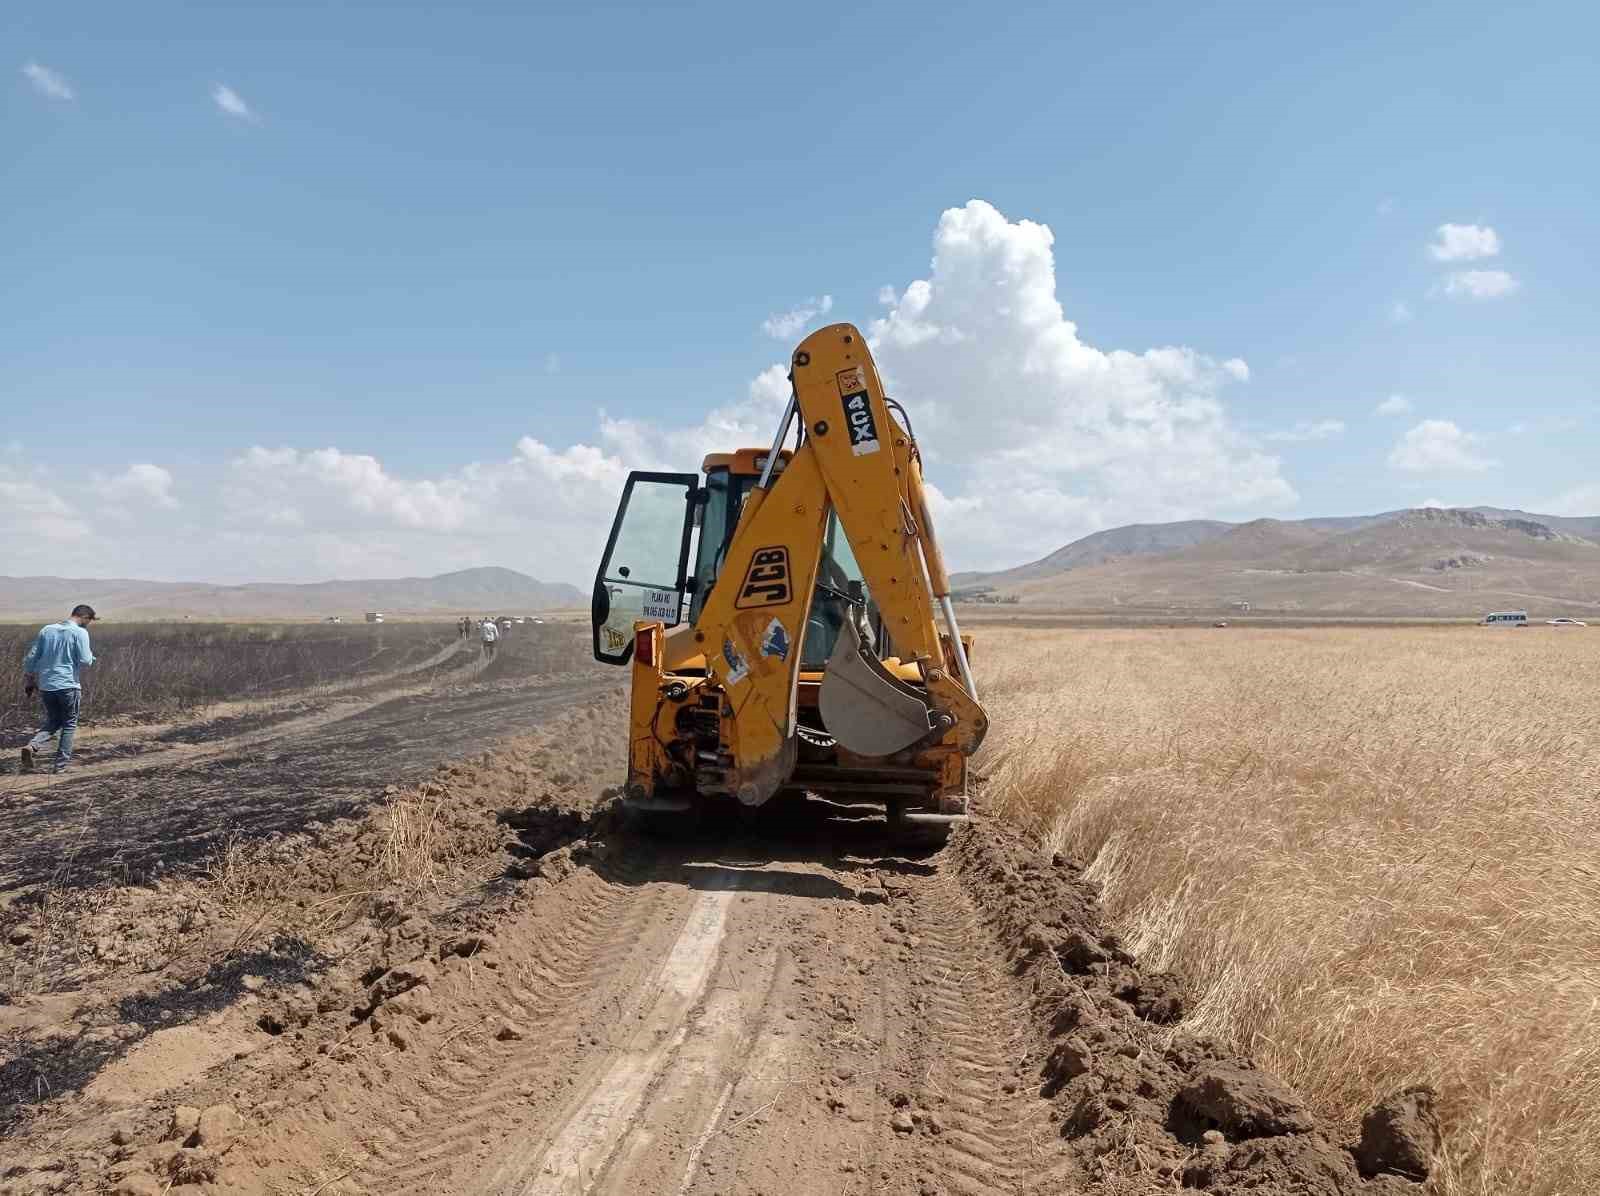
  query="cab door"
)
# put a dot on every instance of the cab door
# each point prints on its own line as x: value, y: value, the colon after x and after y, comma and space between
x: 641, y: 576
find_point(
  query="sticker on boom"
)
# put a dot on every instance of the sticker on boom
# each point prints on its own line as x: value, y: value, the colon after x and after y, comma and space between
x: 863, y: 428
x: 766, y: 582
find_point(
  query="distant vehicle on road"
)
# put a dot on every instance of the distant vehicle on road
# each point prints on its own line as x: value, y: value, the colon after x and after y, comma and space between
x: 1506, y: 618
x: 374, y: 616
x: 505, y: 624
x: 1220, y: 623
x: 1566, y: 623
x: 333, y: 619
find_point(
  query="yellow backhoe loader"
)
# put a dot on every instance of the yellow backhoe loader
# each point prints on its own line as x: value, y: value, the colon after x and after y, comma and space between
x: 800, y: 654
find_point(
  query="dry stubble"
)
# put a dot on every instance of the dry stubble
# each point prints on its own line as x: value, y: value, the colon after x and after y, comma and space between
x: 1374, y: 853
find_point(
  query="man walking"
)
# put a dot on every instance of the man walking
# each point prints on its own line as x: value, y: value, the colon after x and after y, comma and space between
x: 51, y: 667
x: 490, y: 634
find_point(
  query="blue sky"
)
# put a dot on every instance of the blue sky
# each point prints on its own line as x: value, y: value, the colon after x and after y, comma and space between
x: 307, y: 290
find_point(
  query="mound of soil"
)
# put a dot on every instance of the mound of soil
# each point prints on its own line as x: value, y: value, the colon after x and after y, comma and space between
x: 1125, y: 1084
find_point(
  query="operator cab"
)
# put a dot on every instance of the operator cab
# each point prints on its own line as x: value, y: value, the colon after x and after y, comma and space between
x: 665, y: 520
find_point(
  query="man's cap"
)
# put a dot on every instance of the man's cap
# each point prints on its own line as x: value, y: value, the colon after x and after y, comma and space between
x: 84, y: 611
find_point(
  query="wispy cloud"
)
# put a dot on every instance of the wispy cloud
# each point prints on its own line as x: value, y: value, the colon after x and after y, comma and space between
x: 787, y: 324
x: 1480, y: 284
x: 232, y: 103
x: 139, y: 483
x: 1395, y: 405
x: 1439, y: 446
x: 1464, y: 243
x: 1400, y: 312
x: 1325, y: 429
x: 48, y: 82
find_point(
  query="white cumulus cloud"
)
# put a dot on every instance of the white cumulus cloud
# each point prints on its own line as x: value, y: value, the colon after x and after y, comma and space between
x: 138, y: 484
x: 996, y: 376
x: 33, y: 516
x: 1395, y: 405
x: 1480, y: 284
x: 1464, y: 243
x: 48, y: 82
x: 230, y: 102
x: 791, y: 323
x: 1032, y: 438
x: 1439, y: 446
x: 1322, y: 429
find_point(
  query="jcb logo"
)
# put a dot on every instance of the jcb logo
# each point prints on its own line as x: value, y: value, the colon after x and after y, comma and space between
x: 766, y: 582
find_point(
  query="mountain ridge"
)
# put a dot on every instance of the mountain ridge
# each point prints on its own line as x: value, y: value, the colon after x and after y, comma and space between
x: 1423, y: 561
x: 481, y: 590
x: 1145, y: 539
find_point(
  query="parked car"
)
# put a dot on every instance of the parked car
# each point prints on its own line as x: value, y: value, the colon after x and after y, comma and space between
x: 1566, y: 623
x: 1220, y: 623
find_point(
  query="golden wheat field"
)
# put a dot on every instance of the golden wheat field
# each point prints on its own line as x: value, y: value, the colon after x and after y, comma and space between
x: 1373, y: 853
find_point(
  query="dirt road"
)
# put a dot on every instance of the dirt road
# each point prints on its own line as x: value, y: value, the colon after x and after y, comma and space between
x: 486, y: 983
x: 751, y: 1019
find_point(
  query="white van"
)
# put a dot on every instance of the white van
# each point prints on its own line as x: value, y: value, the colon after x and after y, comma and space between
x: 1506, y: 618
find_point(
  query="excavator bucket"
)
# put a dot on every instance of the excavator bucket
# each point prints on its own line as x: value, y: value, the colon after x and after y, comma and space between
x: 863, y: 706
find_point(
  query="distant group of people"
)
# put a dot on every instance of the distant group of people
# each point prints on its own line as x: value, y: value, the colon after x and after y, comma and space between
x: 489, y: 631
x: 50, y: 669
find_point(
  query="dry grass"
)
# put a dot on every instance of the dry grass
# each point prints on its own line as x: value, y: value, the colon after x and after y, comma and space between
x: 1375, y: 854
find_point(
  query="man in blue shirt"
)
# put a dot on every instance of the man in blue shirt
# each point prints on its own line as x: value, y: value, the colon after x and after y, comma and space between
x: 51, y: 666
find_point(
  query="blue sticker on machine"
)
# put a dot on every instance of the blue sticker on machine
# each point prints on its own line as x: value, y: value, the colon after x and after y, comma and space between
x: 737, y: 668
x: 776, y: 641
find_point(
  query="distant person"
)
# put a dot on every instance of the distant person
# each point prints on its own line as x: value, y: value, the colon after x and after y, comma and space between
x: 490, y: 635
x: 51, y: 667
x: 463, y: 625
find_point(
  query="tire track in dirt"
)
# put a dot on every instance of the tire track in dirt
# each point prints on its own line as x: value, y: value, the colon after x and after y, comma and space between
x: 583, y: 965
x: 593, y: 1129
x: 708, y: 1034
x: 973, y: 1034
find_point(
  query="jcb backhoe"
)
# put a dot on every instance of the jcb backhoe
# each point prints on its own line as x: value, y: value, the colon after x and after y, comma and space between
x: 800, y: 654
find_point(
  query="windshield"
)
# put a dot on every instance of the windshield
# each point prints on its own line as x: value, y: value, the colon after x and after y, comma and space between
x: 725, y: 495
x: 840, y: 582
x: 840, y: 586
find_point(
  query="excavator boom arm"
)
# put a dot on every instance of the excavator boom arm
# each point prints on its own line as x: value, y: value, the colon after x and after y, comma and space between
x: 858, y: 462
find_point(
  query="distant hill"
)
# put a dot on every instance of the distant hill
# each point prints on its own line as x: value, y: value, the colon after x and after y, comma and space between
x: 1137, y: 539
x: 1423, y: 561
x: 469, y: 591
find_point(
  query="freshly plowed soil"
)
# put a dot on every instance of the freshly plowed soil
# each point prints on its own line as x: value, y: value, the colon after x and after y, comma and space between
x: 487, y: 983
